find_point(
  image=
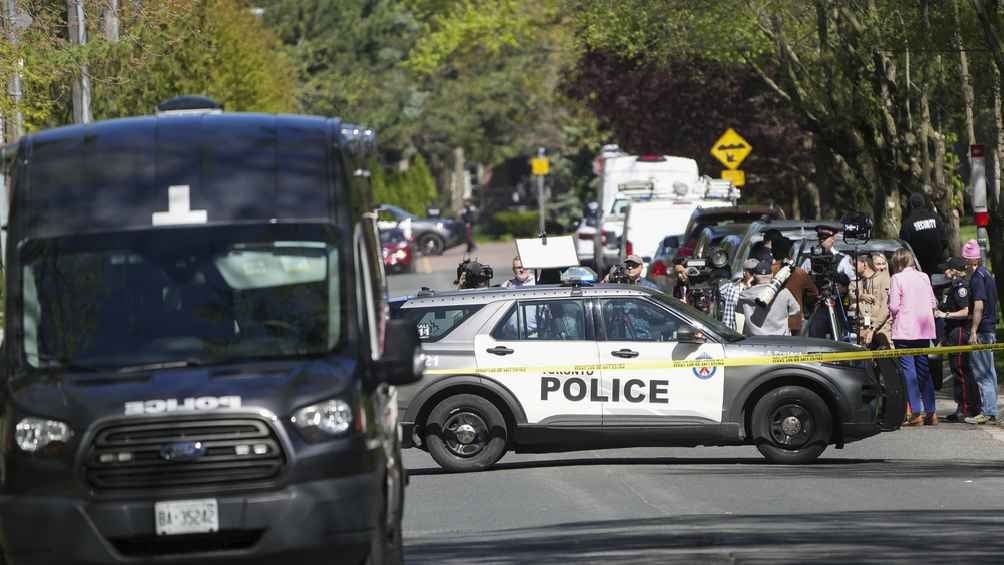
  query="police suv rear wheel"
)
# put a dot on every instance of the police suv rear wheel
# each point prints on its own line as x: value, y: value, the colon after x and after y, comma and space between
x: 466, y: 432
x: 791, y: 425
x: 431, y: 244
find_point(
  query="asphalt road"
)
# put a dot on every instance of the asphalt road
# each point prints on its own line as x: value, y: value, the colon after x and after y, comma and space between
x: 932, y: 495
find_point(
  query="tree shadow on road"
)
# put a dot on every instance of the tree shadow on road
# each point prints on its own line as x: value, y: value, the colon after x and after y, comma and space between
x: 825, y: 537
x: 756, y: 467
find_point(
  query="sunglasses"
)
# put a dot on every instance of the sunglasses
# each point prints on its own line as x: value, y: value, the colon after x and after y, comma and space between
x: 632, y: 265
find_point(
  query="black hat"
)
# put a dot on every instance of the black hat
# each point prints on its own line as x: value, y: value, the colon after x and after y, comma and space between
x: 772, y: 235
x: 955, y: 263
x: 823, y: 231
x: 761, y: 252
x: 762, y: 268
x: 916, y: 200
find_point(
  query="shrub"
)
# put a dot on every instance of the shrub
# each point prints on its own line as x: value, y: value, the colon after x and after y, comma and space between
x: 516, y: 224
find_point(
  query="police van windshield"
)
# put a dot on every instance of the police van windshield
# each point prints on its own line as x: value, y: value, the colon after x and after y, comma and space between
x: 191, y: 295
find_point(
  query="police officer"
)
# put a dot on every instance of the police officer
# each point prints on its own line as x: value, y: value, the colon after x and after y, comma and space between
x: 954, y: 310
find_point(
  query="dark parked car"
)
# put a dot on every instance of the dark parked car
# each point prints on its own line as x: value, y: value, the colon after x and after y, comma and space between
x: 432, y: 237
x: 398, y: 251
x: 704, y: 217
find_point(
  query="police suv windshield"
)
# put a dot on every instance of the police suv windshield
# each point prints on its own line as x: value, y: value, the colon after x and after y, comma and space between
x: 189, y: 295
x: 708, y: 321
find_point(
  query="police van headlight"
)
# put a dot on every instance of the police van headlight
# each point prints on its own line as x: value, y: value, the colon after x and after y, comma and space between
x: 34, y: 434
x: 330, y: 418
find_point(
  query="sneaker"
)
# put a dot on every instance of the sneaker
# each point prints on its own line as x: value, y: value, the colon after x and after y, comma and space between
x: 980, y: 419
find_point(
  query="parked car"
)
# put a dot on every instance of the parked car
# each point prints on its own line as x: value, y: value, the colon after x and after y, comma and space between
x: 662, y: 261
x: 398, y: 251
x: 431, y: 236
x: 704, y: 217
x: 711, y: 238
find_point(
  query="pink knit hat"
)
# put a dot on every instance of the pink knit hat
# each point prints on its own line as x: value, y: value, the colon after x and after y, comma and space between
x: 971, y: 250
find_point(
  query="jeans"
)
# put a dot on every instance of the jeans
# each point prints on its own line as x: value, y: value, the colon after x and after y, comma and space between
x: 982, y: 364
x: 919, y: 385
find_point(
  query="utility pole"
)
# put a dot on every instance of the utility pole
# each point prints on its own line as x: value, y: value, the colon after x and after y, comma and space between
x: 82, y: 85
x: 14, y: 22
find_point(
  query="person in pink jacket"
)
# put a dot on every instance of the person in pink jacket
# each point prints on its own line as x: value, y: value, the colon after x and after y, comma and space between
x: 912, y: 305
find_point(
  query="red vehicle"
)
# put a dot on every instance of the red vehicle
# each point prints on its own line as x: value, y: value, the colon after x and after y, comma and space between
x: 704, y: 217
x: 398, y: 251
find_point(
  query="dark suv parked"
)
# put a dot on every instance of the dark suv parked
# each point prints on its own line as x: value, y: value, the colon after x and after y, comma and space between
x: 432, y: 236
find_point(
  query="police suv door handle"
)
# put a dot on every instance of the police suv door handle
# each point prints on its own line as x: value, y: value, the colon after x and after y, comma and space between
x: 499, y: 350
x: 625, y: 353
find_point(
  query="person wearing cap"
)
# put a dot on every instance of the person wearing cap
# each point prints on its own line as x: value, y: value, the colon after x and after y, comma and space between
x: 799, y: 282
x: 766, y: 319
x: 912, y: 305
x: 954, y: 311
x: 925, y: 233
x: 827, y: 236
x: 634, y: 264
x: 982, y: 321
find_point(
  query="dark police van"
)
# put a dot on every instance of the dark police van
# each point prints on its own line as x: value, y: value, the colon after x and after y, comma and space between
x: 197, y: 363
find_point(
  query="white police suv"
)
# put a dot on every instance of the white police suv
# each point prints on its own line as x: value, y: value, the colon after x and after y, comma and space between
x: 556, y: 368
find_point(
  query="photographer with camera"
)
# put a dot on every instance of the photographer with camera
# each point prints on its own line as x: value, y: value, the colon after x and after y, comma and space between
x: 629, y: 273
x: 827, y: 236
x: 766, y: 318
x: 798, y: 281
x: 472, y: 274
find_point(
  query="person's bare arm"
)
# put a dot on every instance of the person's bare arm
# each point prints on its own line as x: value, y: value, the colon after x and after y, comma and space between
x: 974, y: 324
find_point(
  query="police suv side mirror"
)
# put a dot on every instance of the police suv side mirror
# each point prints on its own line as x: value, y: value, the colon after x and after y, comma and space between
x: 402, y: 362
x: 690, y: 335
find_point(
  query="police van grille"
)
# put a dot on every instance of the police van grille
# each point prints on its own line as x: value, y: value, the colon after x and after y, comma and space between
x: 237, y: 451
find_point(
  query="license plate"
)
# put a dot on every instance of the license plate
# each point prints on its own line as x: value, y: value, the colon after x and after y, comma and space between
x: 186, y: 516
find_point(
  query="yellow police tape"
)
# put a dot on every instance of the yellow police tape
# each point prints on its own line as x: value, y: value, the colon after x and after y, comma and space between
x: 787, y: 359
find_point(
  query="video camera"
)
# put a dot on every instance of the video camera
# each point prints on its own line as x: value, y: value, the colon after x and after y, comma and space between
x: 857, y: 227
x: 471, y: 274
x: 704, y: 275
x: 618, y: 275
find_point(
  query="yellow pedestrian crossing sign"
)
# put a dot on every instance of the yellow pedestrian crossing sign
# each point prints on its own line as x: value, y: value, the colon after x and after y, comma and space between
x: 731, y: 149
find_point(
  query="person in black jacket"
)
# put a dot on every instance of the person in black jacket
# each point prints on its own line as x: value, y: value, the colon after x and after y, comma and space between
x: 925, y: 233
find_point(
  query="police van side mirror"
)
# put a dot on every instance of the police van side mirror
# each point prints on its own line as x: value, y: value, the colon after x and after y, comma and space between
x: 402, y: 362
x: 690, y: 335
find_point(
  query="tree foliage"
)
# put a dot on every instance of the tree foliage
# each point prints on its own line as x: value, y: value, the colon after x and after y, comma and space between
x: 216, y: 48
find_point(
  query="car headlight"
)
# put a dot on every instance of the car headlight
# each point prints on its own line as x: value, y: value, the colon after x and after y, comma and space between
x: 325, y: 419
x: 33, y: 434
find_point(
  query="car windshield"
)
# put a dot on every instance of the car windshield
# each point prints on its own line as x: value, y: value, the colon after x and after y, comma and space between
x: 189, y: 295
x: 702, y: 317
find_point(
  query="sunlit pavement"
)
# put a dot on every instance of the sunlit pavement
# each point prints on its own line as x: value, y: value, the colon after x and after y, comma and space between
x: 933, y: 494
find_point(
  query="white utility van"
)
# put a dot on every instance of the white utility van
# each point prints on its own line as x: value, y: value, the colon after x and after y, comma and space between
x: 648, y: 222
x: 627, y: 179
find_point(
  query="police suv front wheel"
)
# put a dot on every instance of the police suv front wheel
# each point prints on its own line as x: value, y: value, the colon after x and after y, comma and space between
x: 791, y: 425
x: 466, y: 432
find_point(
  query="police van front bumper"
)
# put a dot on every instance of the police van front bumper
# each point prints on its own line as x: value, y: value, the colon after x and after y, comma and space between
x: 328, y: 520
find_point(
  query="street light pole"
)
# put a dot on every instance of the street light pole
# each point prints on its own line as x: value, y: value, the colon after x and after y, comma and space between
x: 82, y: 85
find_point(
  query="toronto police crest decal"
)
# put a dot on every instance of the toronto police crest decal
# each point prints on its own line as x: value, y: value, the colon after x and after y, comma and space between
x: 706, y: 372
